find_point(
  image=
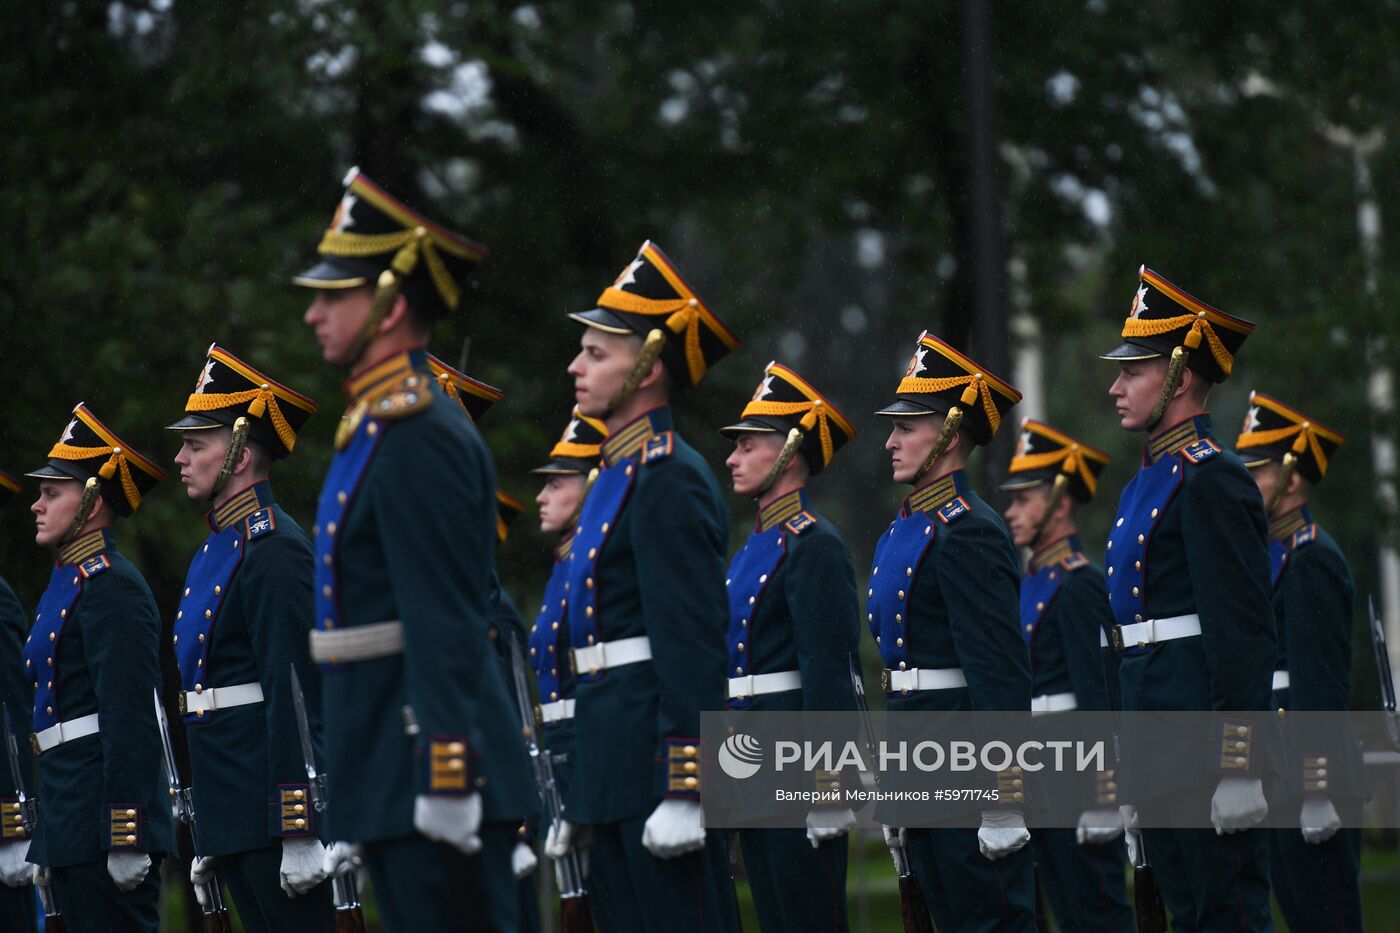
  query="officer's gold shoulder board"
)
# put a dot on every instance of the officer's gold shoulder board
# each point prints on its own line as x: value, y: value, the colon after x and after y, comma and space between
x: 94, y: 565
x: 1074, y: 561
x: 954, y: 510
x: 260, y: 523
x: 1305, y: 535
x: 659, y: 447
x: 800, y: 522
x: 1200, y: 451
x: 408, y: 396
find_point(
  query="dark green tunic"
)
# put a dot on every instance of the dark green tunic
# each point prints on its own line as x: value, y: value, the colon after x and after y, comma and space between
x: 16, y: 904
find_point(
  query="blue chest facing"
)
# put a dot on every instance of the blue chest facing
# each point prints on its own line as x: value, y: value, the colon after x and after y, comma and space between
x: 898, y: 557
x: 206, y: 586
x: 598, y: 520
x: 548, y: 635
x: 1140, y: 511
x: 343, y: 480
x: 45, y: 636
x: 749, y: 574
x: 1038, y: 592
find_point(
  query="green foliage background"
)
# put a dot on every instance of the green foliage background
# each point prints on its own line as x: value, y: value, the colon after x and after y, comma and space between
x: 167, y: 166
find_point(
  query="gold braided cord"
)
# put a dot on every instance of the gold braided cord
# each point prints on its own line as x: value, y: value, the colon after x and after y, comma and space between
x: 683, y: 317
x: 116, y: 463
x: 1200, y: 326
x: 409, y: 244
x: 814, y: 415
x: 579, y: 451
x: 1305, y: 440
x: 260, y: 401
x: 1071, y: 460
x: 976, y: 385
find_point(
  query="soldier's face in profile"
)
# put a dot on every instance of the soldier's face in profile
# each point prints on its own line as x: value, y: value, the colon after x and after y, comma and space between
x: 1136, y: 390
x: 1265, y: 477
x: 1025, y: 512
x: 54, y: 510
x: 910, y: 442
x: 754, y: 455
x: 200, y: 459
x: 337, y: 316
x: 558, y: 501
x: 601, y: 367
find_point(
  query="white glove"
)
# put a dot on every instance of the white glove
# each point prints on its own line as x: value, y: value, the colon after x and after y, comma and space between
x: 1132, y: 835
x: 522, y: 860
x: 823, y: 825
x: 894, y: 835
x: 341, y: 857
x: 15, y: 872
x: 42, y: 876
x: 301, y: 864
x: 1001, y: 833
x: 453, y: 820
x: 1318, y: 818
x: 201, y: 873
x: 1098, y: 826
x: 128, y: 869
x: 1238, y: 803
x: 674, y: 828
x: 559, y: 839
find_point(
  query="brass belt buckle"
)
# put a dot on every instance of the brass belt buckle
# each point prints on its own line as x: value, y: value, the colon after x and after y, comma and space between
x: 1116, y: 636
x: 34, y: 744
x: 885, y: 680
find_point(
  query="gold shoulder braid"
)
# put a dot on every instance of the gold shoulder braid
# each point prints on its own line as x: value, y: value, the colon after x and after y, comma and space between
x: 408, y: 396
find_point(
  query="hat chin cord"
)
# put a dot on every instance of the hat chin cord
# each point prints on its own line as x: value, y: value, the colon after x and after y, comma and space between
x: 235, y: 450
x: 90, y: 490
x: 1285, y: 475
x: 652, y: 346
x: 790, y: 448
x: 951, y: 422
x: 1057, y: 492
x: 1175, y: 368
x: 583, y: 497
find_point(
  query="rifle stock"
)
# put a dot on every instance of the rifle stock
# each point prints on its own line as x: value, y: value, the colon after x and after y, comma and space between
x: 349, y: 919
x: 216, y: 923
x: 575, y: 916
x: 1147, y: 898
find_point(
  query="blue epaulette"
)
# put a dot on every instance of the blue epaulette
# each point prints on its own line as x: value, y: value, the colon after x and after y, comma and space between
x: 1200, y: 451
x: 800, y: 522
x: 1074, y: 561
x: 659, y: 446
x: 1305, y: 535
x: 954, y: 510
x: 94, y: 565
x: 260, y: 523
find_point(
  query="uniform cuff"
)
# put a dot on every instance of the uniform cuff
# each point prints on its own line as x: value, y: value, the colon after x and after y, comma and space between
x: 1237, y: 756
x: 1314, y: 777
x: 448, y: 771
x: 127, y: 827
x: 11, y: 820
x: 683, y: 768
x: 294, y: 811
x: 1011, y: 789
x: 1106, y: 789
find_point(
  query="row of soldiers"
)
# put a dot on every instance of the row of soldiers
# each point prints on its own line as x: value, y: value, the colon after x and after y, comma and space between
x: 392, y: 620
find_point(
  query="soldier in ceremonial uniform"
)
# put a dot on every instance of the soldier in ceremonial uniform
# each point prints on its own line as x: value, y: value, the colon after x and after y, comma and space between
x: 104, y: 810
x: 1315, y: 870
x: 647, y: 613
x: 1188, y: 583
x: 577, y: 453
x: 793, y: 629
x: 942, y: 608
x: 16, y: 896
x: 425, y: 763
x: 243, y: 620
x: 1064, y: 615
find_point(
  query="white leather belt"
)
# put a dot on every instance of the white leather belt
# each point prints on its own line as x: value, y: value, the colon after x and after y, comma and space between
x: 753, y: 685
x: 557, y: 711
x: 608, y: 654
x: 212, y: 698
x: 1280, y: 680
x: 57, y: 734
x: 1054, y: 703
x: 922, y: 678
x: 357, y: 643
x: 1141, y: 634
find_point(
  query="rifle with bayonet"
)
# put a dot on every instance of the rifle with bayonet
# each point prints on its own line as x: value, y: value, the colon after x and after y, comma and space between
x: 349, y: 915
x: 912, y: 907
x: 574, y: 913
x: 213, y: 914
x: 1383, y: 675
x: 29, y: 816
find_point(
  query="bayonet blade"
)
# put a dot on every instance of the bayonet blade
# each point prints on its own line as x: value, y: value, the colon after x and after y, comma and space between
x: 308, y: 751
x: 16, y: 772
